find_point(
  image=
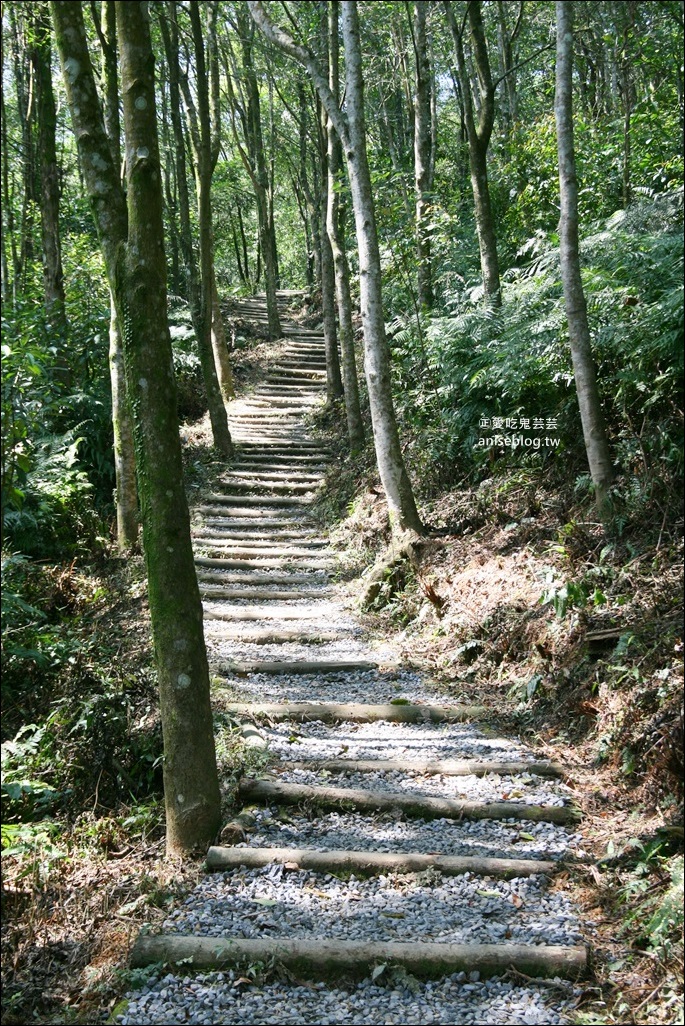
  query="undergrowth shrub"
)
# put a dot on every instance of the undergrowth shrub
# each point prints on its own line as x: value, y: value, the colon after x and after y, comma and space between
x: 461, y: 376
x: 75, y: 725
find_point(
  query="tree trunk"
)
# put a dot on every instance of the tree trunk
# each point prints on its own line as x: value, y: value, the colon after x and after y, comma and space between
x: 219, y: 344
x: 334, y: 386
x: 335, y: 221
x: 169, y: 26
x: 396, y: 484
x: 132, y: 242
x: 423, y: 159
x: 24, y: 249
x: 478, y: 134
x: 352, y: 131
x: 506, y: 41
x: 594, y: 431
x: 53, y: 277
x: 216, y: 385
x: 256, y: 148
x: 124, y: 450
x: 126, y: 488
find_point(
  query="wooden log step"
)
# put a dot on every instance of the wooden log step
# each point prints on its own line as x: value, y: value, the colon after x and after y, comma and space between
x: 288, y: 388
x: 260, y: 517
x: 275, y: 538
x: 275, y: 637
x: 330, y: 959
x: 357, y: 712
x: 438, y: 767
x: 286, y: 447
x: 254, y: 552
x: 368, y: 863
x: 285, y: 460
x: 265, y: 564
x: 297, y: 370
x: 299, y: 667
x: 286, y: 517
x: 297, y: 403
x: 260, y: 528
x: 272, y: 474
x: 267, y: 500
x: 283, y: 447
x: 296, y: 379
x: 422, y: 806
x: 262, y: 579
x: 306, y: 369
x: 298, y: 486
x: 257, y: 613
x: 259, y: 546
x: 257, y: 594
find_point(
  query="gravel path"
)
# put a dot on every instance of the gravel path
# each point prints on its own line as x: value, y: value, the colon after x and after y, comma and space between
x: 283, y: 900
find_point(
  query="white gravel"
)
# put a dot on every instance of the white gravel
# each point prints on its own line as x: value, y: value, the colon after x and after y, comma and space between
x: 275, y: 902
x: 508, y: 838
x: 217, y: 999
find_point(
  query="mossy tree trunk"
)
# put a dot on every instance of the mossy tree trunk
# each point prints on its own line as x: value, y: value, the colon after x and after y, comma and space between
x: 130, y: 229
x: 122, y: 424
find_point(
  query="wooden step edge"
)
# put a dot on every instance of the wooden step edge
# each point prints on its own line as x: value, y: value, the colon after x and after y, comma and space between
x: 300, y: 667
x: 276, y: 637
x: 321, y: 958
x: 257, y: 595
x: 415, y: 805
x: 368, y: 863
x: 257, y: 500
x: 255, y: 614
x: 263, y: 564
x: 437, y: 767
x: 242, y: 551
x: 359, y: 712
x: 264, y: 579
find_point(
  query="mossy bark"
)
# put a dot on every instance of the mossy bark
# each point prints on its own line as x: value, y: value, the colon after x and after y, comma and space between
x: 126, y: 497
x: 132, y: 242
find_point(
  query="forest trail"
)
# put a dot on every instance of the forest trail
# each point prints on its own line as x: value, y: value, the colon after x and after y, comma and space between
x: 396, y: 853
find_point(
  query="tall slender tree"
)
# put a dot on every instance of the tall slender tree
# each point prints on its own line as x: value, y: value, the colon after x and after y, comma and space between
x: 204, y: 125
x: 126, y: 488
x: 351, y: 128
x: 335, y: 225
x: 592, y: 418
x: 423, y: 153
x: 479, y: 118
x: 130, y: 230
x: 243, y: 95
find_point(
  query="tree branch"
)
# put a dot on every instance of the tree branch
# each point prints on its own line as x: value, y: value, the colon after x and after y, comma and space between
x: 304, y: 55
